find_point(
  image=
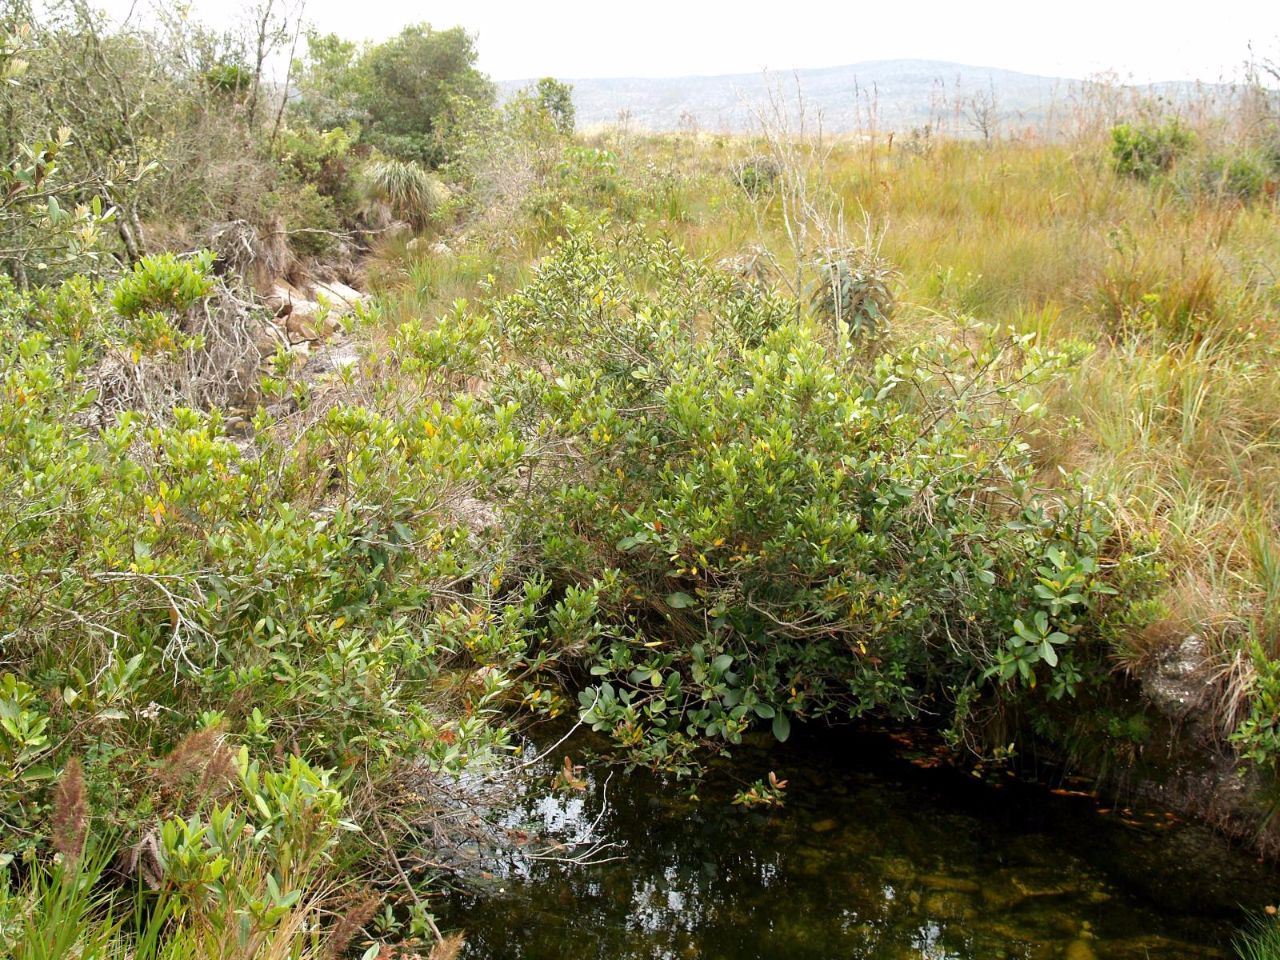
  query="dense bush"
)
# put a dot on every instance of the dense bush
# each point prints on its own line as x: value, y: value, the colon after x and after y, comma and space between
x: 289, y: 591
x: 1144, y: 150
x: 324, y: 160
x: 401, y: 93
x: 1237, y: 177
x: 744, y: 528
x: 756, y: 175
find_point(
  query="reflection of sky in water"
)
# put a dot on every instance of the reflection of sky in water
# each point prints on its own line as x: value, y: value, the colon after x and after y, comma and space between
x: 876, y: 860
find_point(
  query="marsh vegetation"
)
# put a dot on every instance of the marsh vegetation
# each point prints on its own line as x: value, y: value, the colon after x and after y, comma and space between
x: 345, y: 433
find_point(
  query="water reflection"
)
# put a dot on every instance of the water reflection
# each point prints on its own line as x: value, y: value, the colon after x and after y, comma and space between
x: 870, y: 858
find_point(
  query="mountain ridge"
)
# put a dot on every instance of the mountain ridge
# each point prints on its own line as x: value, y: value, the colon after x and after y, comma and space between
x: 898, y: 93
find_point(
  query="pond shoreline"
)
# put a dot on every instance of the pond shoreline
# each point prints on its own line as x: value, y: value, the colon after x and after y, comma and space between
x: 878, y: 844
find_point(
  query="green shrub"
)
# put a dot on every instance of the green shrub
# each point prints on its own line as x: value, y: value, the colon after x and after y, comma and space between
x: 1146, y: 150
x: 309, y: 218
x: 1234, y: 177
x: 744, y: 529
x: 231, y: 79
x: 289, y: 590
x: 248, y: 871
x: 164, y: 282
x: 756, y: 175
x: 1258, y: 735
x: 556, y: 100
x: 324, y: 159
x: 853, y: 289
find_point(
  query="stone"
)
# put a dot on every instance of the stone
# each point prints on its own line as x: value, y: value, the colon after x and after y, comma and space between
x: 947, y: 905
x: 1008, y: 888
x: 1079, y: 950
x: 938, y: 881
x: 898, y: 869
x: 1178, y: 682
x: 331, y: 358
x: 1045, y: 883
x: 338, y: 296
x: 476, y: 515
x: 267, y: 337
x: 309, y: 320
x: 282, y: 294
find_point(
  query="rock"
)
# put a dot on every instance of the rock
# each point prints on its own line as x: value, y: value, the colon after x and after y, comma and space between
x: 396, y: 229
x: 947, y: 905
x: 1143, y: 948
x: 1177, y: 683
x: 331, y: 358
x: 338, y: 296
x: 1045, y: 883
x: 310, y: 321
x: 476, y: 515
x: 1021, y: 937
x: 1008, y: 888
x: 282, y: 409
x: 955, y: 884
x: 282, y: 296
x: 267, y: 337
x: 898, y: 869
x: 441, y: 249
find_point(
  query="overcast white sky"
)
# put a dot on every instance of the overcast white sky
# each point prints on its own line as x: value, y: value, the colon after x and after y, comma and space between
x: 1142, y: 41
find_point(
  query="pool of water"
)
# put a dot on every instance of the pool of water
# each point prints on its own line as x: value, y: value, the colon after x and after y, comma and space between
x: 878, y: 852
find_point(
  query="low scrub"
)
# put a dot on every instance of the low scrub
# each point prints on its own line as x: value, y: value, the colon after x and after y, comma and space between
x: 1144, y: 150
x: 746, y: 526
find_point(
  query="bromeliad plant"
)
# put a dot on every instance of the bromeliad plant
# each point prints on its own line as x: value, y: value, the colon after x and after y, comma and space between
x: 751, y: 530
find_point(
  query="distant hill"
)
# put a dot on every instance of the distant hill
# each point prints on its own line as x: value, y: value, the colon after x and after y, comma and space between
x: 901, y: 94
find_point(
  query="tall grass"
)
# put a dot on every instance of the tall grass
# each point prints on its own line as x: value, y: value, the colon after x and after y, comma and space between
x: 407, y: 191
x: 1261, y: 942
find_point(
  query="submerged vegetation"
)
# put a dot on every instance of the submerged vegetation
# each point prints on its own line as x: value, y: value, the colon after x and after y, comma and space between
x: 636, y: 429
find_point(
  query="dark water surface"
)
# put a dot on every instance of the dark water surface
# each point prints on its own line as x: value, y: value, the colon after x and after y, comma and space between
x: 877, y: 853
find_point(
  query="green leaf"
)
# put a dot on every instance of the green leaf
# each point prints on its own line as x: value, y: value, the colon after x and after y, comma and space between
x: 262, y: 806
x: 722, y: 663
x: 781, y: 727
x: 1048, y: 654
x: 680, y: 600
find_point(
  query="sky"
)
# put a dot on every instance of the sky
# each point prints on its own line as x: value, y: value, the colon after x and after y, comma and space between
x: 1140, y: 41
